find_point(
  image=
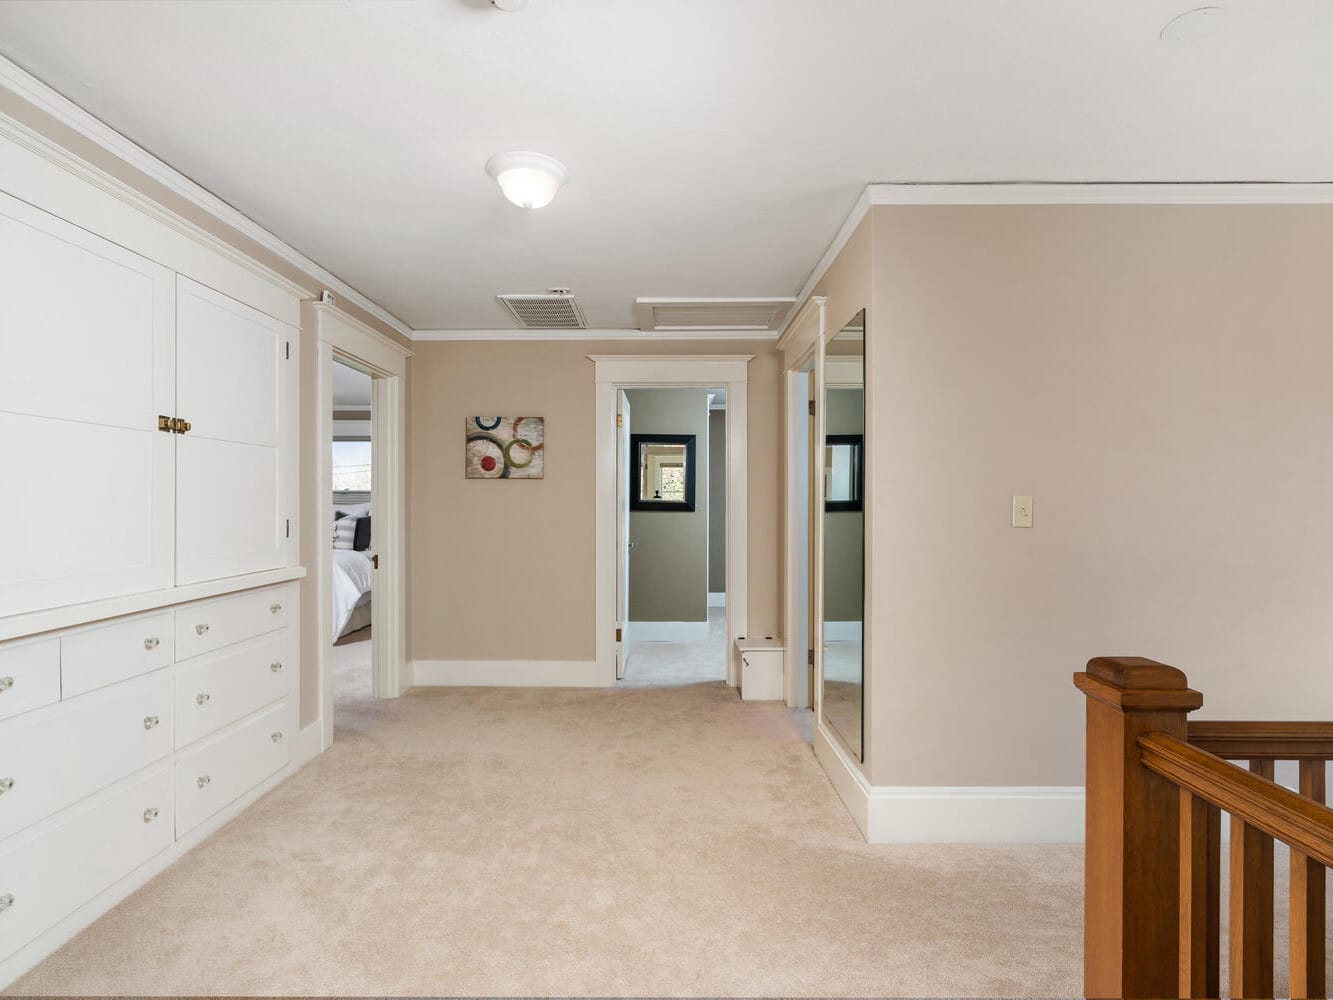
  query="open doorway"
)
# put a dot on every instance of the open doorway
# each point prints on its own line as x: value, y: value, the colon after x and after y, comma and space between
x: 352, y: 455
x: 672, y: 494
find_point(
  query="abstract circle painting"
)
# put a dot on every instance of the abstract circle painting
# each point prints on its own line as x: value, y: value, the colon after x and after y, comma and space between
x: 504, y: 447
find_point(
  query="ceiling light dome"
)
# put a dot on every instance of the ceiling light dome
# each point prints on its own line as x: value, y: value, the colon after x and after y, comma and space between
x: 529, y: 180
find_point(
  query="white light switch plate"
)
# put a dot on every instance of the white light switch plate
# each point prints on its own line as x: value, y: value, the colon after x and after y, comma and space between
x: 1022, y: 512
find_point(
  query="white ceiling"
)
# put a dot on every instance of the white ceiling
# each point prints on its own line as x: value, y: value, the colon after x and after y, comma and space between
x: 714, y: 146
x: 351, y: 388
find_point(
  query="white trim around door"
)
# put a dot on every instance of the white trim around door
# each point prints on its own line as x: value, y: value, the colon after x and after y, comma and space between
x: 342, y: 337
x: 615, y: 372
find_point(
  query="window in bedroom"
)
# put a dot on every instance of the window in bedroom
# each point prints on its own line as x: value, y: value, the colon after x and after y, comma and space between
x: 351, y: 466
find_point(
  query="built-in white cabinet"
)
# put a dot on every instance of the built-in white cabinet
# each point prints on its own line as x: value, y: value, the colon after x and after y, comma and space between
x: 129, y: 740
x: 97, y: 346
x: 87, y: 362
x: 232, y: 475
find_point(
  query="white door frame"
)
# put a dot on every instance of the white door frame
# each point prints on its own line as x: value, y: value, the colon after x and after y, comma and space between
x: 344, y: 338
x: 804, y: 343
x: 615, y: 372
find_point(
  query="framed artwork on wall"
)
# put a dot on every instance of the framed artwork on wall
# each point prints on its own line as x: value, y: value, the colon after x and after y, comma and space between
x: 504, y: 448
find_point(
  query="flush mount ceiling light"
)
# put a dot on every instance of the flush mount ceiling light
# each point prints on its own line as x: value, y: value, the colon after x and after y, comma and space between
x: 509, y: 5
x: 529, y: 180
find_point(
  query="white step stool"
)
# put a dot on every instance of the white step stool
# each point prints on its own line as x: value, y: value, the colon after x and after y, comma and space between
x: 761, y: 668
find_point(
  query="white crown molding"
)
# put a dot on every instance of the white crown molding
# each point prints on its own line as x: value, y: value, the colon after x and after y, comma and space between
x: 1255, y: 193
x: 46, y: 99
x: 518, y: 335
x: 325, y: 309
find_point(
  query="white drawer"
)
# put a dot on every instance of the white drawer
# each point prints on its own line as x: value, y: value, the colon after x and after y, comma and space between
x: 51, y: 758
x: 216, y: 690
x: 29, y: 676
x: 50, y: 876
x: 217, y: 773
x: 113, y: 653
x: 209, y: 625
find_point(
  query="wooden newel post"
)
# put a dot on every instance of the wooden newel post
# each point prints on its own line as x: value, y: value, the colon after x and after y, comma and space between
x: 1131, y: 926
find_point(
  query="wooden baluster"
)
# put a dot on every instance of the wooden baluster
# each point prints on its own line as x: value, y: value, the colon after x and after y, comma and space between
x: 1308, y: 889
x: 1251, y: 931
x: 1200, y: 897
x: 1131, y: 926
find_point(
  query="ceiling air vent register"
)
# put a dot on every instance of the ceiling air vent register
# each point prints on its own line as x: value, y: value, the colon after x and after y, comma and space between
x: 556, y: 311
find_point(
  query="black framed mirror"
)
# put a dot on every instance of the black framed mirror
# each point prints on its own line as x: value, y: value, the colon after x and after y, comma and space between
x: 844, y: 472
x: 664, y: 472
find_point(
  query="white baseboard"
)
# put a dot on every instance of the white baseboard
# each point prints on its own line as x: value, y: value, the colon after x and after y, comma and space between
x: 717, y: 600
x: 667, y: 632
x: 41, y: 947
x: 507, y: 673
x: 947, y: 815
x: 842, y: 631
x: 309, y: 744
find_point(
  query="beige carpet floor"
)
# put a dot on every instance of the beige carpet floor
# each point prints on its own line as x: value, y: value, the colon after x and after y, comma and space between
x: 670, y: 841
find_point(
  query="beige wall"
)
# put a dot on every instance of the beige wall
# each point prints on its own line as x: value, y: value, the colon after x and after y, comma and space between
x: 1158, y: 379
x: 504, y: 571
x: 668, y: 566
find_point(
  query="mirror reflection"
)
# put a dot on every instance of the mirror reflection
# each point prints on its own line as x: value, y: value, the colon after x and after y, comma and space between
x: 665, y: 477
x: 844, y: 533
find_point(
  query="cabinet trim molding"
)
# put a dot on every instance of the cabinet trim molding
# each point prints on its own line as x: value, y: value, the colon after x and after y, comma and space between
x: 36, y: 622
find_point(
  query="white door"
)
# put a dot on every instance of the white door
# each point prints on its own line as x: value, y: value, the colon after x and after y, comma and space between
x: 624, y: 469
x: 86, y: 366
x: 234, y: 372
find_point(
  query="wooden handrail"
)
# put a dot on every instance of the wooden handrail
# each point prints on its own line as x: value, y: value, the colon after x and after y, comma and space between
x: 1157, y: 787
x: 1299, y: 822
x: 1263, y: 740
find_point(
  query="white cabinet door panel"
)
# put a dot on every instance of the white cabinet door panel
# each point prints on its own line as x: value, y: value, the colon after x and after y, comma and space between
x: 95, y: 504
x: 227, y: 510
x: 236, y: 388
x: 87, y: 362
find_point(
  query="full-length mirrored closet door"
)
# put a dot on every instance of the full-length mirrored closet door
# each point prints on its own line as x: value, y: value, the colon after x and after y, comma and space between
x: 842, y: 471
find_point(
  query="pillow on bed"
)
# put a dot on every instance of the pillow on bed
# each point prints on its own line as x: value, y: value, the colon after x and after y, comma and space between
x: 344, y: 533
x: 361, y: 539
x: 353, y: 509
x: 338, y: 515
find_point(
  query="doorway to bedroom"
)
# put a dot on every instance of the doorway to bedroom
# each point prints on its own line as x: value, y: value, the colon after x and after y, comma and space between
x: 352, y: 455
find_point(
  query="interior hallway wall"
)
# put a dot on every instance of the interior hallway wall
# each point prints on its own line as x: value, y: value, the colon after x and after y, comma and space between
x: 668, y: 566
x: 717, y: 501
x: 1157, y: 378
x: 504, y: 570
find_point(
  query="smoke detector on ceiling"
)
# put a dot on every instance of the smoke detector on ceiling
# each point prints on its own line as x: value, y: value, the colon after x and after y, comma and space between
x: 556, y: 310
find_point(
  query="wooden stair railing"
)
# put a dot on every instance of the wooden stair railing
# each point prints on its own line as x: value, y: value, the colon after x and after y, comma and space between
x: 1157, y: 786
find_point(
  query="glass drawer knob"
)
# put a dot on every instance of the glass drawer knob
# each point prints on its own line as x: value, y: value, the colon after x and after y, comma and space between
x: 6, y: 784
x: 275, y: 666
x: 151, y: 643
x: 150, y: 814
x: 149, y: 721
x: 275, y: 608
x: 201, y: 697
x: 200, y: 629
x: 6, y: 683
x: 202, y: 780
x: 276, y: 737
x: 6, y: 901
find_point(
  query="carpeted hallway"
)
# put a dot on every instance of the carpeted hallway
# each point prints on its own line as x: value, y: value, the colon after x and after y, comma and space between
x: 486, y: 841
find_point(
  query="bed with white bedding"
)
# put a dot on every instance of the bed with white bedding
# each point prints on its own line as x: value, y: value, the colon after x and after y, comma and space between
x: 351, y: 591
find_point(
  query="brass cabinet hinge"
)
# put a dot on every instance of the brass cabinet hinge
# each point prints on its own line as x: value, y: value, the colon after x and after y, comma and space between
x: 172, y: 425
x: 810, y: 657
x: 620, y: 420
x: 812, y: 407
x: 617, y: 635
